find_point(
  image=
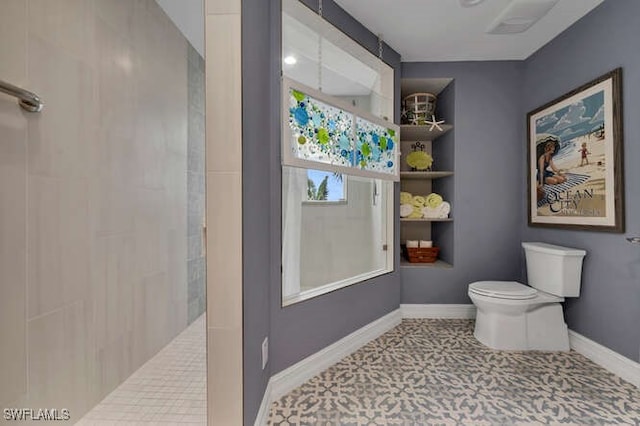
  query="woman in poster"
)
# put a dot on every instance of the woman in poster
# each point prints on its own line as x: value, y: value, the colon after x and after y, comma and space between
x: 548, y: 173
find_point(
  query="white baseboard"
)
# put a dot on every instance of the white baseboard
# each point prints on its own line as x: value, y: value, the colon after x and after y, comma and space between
x: 619, y: 365
x: 263, y: 413
x: 438, y: 311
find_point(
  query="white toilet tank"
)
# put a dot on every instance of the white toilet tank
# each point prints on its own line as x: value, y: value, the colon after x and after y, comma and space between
x: 554, y: 269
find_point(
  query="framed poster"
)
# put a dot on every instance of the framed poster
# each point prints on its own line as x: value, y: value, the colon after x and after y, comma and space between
x: 575, y: 176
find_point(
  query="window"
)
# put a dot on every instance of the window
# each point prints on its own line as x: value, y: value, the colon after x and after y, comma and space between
x: 325, y: 187
x: 339, y: 155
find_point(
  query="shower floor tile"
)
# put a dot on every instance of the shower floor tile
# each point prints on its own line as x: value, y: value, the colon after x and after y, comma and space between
x: 434, y: 372
x: 170, y: 388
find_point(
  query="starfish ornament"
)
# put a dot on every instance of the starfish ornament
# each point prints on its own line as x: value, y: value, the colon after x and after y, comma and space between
x: 434, y: 124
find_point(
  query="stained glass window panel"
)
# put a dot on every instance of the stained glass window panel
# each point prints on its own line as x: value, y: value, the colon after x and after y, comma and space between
x: 320, y: 132
x: 376, y: 147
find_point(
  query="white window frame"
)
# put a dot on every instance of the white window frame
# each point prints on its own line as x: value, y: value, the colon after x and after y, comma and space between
x: 324, y: 29
x: 389, y: 231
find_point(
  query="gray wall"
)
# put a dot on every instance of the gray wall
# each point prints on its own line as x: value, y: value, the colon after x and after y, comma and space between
x: 487, y: 209
x: 300, y: 330
x: 257, y: 137
x: 196, y: 275
x: 608, y: 309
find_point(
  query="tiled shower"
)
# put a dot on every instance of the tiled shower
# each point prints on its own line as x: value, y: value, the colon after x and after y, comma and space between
x: 101, y: 197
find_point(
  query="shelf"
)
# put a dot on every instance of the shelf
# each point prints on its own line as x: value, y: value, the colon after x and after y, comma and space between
x: 424, y: 175
x: 437, y: 264
x: 406, y: 219
x: 409, y: 132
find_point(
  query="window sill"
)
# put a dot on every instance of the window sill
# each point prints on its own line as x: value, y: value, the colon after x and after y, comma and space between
x: 328, y: 288
x: 321, y: 203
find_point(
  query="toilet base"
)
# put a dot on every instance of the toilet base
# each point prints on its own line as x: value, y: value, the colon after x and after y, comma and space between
x: 521, y: 327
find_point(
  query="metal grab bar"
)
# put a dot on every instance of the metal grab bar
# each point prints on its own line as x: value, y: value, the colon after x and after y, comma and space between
x: 634, y: 240
x: 28, y: 101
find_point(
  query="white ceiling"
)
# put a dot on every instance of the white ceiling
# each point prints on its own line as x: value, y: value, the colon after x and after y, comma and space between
x: 442, y: 30
x: 188, y: 15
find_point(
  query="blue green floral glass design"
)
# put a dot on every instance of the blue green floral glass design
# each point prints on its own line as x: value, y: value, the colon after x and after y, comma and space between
x: 320, y: 132
x: 375, y: 147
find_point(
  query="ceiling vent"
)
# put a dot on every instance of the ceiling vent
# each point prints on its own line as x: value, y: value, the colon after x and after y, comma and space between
x: 520, y: 15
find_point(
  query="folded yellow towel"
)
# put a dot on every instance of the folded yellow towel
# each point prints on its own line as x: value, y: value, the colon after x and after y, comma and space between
x: 406, y: 210
x: 445, y: 209
x: 406, y: 198
x: 418, y: 201
x: 433, y: 200
x: 440, y: 212
x: 417, y: 213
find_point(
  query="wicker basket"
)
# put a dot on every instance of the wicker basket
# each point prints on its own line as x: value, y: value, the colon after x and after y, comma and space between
x: 418, y: 107
x: 421, y: 254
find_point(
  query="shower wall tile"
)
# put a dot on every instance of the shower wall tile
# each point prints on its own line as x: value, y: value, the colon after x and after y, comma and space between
x: 174, y: 113
x: 113, y: 279
x: 224, y: 248
x: 177, y: 275
x: 66, y: 24
x: 224, y: 89
x: 225, y: 397
x: 197, y: 130
x: 111, y: 202
x: 196, y: 306
x: 155, y: 40
x: 13, y: 59
x: 223, y: 75
x: 59, y: 241
x: 113, y: 365
x: 222, y: 7
x: 118, y: 14
x: 196, y: 275
x: 116, y: 92
x: 13, y: 248
x: 150, y: 231
x: 195, y: 247
x: 176, y: 191
x: 59, y: 359
x: 157, y: 305
x: 60, y: 137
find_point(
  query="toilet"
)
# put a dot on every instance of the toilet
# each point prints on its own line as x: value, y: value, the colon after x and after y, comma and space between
x: 514, y: 316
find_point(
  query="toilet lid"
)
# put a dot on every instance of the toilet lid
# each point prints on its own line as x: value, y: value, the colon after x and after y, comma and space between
x: 503, y: 289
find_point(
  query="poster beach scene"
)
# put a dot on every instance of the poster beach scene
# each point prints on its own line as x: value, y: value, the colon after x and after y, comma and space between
x: 579, y: 129
x: 572, y: 159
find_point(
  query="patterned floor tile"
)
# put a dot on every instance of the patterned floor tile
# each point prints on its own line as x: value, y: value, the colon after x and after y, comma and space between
x: 434, y: 372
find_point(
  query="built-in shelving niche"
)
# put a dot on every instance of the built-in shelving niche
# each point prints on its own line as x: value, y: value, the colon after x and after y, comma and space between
x: 442, y: 176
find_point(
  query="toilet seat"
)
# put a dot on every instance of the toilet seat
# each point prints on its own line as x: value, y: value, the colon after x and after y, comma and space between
x: 503, y: 290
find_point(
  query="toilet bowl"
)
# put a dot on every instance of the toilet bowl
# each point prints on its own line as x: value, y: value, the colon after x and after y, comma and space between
x: 514, y: 316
